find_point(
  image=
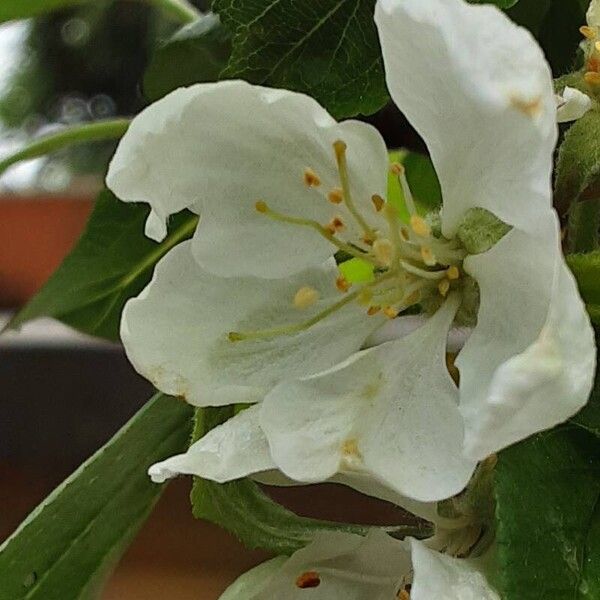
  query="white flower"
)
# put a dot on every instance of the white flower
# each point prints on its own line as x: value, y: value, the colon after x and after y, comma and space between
x: 572, y: 105
x: 347, y: 567
x: 253, y: 309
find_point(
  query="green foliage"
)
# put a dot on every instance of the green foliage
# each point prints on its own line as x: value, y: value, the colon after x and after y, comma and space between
x: 242, y: 508
x: 22, y: 9
x: 112, y: 262
x: 586, y: 268
x: 555, y: 23
x: 328, y: 49
x: 578, y: 167
x: 67, y: 546
x: 548, y: 517
x: 199, y: 51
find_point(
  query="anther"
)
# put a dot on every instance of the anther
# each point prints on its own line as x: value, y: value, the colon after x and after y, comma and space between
x: 350, y: 448
x: 453, y: 273
x: 261, y: 206
x: 342, y: 284
x: 340, y: 148
x: 428, y: 256
x: 373, y: 310
x: 378, y: 202
x: 588, y: 32
x: 420, y: 226
x: 412, y: 298
x: 397, y: 168
x: 310, y: 579
x: 311, y: 179
x: 390, y: 312
x: 404, y: 234
x: 335, y: 196
x: 597, y: 46
x: 404, y: 594
x: 336, y: 224
x: 306, y: 296
x: 383, y: 250
x: 592, y: 77
x: 444, y: 287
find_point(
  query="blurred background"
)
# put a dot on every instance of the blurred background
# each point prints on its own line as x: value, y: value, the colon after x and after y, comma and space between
x: 65, y: 394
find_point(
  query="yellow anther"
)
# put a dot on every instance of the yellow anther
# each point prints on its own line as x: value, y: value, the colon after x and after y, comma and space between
x: 444, y: 287
x: 261, y: 206
x: 588, y: 32
x: 350, y: 449
x: 311, y: 179
x: 367, y: 240
x: 390, y: 312
x: 453, y: 273
x: 420, y: 226
x: 428, y: 256
x: 592, y: 77
x: 404, y: 234
x: 306, y: 296
x: 530, y: 108
x: 378, y: 202
x: 373, y: 310
x: 403, y: 595
x: 365, y: 296
x: 397, y: 168
x: 340, y: 148
x: 383, y: 250
x: 336, y: 196
x: 336, y: 224
x: 597, y: 46
x: 342, y: 284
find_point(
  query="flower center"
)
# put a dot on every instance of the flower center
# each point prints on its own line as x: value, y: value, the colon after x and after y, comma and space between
x: 412, y: 265
x: 592, y: 55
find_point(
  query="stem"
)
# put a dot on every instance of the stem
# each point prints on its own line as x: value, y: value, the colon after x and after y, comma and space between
x: 89, y: 132
x: 180, y: 10
x: 584, y: 225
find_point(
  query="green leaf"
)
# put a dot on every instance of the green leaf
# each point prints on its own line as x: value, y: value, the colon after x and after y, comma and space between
x: 586, y: 268
x: 578, y: 166
x: 328, y: 49
x: 548, y: 517
x: 555, y: 23
x: 242, y: 508
x: 112, y: 262
x: 196, y: 53
x: 69, y: 542
x: 23, y: 9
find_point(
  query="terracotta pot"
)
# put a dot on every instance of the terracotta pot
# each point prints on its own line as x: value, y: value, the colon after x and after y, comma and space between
x: 36, y: 233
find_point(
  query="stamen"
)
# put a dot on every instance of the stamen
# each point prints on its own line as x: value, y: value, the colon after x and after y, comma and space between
x: 420, y: 226
x: 400, y: 171
x: 390, y: 312
x: 453, y: 273
x: 336, y: 196
x: 393, y: 220
x: 404, y: 594
x: 373, y: 310
x: 340, y: 155
x: 263, y: 208
x: 588, y: 32
x: 592, y: 78
x: 383, y: 250
x: 432, y: 275
x: 335, y: 225
x: 428, y: 256
x: 444, y: 287
x: 311, y: 179
x: 597, y: 46
x: 405, y: 234
x: 342, y: 284
x: 378, y: 202
x: 365, y: 296
x: 306, y: 296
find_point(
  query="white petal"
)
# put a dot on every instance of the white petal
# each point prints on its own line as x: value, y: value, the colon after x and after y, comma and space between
x: 479, y: 91
x: 349, y: 567
x: 175, y: 332
x: 218, y: 148
x: 390, y: 411
x: 251, y: 583
x: 439, y: 576
x: 230, y: 451
x: 593, y: 14
x: 530, y: 361
x: 572, y: 105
